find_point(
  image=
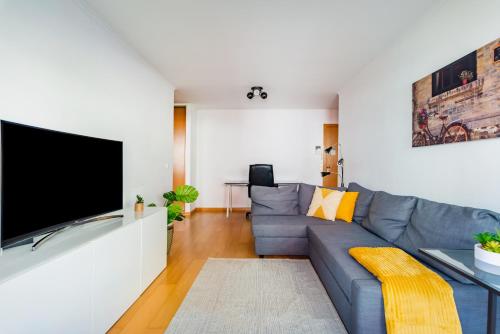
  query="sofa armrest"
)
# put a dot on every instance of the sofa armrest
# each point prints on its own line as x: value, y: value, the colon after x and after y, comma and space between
x: 367, y: 307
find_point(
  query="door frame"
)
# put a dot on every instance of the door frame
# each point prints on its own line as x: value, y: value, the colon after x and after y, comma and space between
x: 330, y: 160
x: 179, y: 147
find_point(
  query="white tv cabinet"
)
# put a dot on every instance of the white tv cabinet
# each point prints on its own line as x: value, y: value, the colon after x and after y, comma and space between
x: 84, y: 279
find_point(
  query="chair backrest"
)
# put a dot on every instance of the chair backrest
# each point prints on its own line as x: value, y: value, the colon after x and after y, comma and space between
x: 260, y: 175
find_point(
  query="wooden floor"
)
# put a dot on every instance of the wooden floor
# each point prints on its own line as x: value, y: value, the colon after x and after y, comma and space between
x: 203, y: 235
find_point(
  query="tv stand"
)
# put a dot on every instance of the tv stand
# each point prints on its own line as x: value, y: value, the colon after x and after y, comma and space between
x: 20, y: 243
x: 62, y: 229
x: 86, y: 278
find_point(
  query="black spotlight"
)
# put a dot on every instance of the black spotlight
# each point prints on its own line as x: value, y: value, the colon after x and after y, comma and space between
x: 257, y: 91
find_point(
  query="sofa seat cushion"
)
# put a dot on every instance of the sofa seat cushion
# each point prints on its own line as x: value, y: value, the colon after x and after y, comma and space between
x: 332, y: 244
x: 471, y: 302
x: 284, y: 226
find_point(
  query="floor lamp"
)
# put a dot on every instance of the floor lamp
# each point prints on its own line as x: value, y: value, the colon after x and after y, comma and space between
x: 332, y: 151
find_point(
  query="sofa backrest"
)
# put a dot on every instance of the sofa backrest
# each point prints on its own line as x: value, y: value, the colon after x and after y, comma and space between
x: 411, y: 223
x: 282, y: 201
x: 438, y: 225
x: 446, y: 226
x: 306, y: 192
x: 388, y: 215
x: 363, y: 203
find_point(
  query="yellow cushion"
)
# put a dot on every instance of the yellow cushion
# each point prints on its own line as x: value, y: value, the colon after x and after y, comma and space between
x: 346, y: 207
x: 324, y: 203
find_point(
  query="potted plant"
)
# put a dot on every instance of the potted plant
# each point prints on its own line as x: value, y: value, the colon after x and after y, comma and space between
x: 487, y: 251
x: 466, y: 76
x: 139, y: 204
x: 185, y: 194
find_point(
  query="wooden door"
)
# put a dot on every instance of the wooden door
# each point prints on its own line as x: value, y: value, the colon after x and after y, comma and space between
x: 179, y: 148
x: 330, y: 139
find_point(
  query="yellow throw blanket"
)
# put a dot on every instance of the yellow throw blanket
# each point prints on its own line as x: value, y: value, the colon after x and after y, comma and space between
x: 416, y: 299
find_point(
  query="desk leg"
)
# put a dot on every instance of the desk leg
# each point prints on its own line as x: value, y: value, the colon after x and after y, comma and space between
x: 231, y: 199
x: 492, y: 312
x: 227, y: 200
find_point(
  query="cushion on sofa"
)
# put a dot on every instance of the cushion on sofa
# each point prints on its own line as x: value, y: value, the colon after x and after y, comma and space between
x: 437, y: 225
x: 345, y: 210
x: 389, y: 214
x: 284, y: 226
x: 325, y: 203
x: 306, y: 192
x: 275, y: 200
x: 363, y: 203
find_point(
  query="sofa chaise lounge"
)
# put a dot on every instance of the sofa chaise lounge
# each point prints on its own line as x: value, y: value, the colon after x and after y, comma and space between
x: 280, y: 227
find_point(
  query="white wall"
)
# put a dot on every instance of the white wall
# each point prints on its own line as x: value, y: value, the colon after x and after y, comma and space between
x: 228, y: 141
x: 376, y: 105
x: 61, y: 68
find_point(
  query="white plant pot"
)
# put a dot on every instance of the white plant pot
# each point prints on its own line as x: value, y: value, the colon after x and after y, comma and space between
x: 486, y: 261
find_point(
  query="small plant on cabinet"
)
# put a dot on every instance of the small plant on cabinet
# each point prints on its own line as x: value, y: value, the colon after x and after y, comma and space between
x: 139, y: 204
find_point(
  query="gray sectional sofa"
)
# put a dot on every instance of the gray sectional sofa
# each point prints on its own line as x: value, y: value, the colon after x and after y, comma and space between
x: 280, y: 227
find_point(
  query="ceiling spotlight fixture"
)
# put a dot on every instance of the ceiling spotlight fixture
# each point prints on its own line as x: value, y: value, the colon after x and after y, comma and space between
x: 257, y: 91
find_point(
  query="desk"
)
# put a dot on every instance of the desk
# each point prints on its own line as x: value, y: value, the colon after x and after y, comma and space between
x: 463, y: 263
x: 229, y: 192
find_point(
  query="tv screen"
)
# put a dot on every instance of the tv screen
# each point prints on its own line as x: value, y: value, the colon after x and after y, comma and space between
x: 51, y: 179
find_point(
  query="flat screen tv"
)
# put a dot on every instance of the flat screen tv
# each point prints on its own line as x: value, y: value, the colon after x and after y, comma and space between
x: 51, y: 179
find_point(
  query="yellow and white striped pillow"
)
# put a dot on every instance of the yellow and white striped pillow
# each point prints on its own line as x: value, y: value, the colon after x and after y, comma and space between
x: 325, y: 203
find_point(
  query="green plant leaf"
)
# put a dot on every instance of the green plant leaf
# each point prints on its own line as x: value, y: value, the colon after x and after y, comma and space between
x: 484, y: 237
x: 151, y: 205
x: 169, y: 197
x: 174, y: 211
x: 492, y: 246
x: 139, y: 199
x: 186, y: 193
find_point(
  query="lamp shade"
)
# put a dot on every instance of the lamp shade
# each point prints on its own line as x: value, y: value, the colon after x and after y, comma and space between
x: 330, y: 150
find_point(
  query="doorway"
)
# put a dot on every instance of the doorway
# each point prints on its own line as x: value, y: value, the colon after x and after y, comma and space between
x: 179, y: 173
x: 330, y: 159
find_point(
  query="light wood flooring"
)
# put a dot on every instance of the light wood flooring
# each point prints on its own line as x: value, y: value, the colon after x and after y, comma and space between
x: 203, y: 235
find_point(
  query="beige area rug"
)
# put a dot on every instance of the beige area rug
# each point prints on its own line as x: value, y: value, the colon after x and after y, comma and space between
x: 256, y: 296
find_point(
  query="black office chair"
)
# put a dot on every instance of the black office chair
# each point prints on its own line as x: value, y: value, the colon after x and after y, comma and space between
x: 260, y: 175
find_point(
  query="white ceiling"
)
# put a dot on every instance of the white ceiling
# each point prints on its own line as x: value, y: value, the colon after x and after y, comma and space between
x: 301, y: 51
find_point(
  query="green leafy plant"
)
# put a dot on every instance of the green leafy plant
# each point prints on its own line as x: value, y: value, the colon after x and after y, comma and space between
x: 151, y: 205
x: 174, y: 213
x: 139, y: 199
x: 489, y: 241
x: 186, y: 194
x: 492, y: 246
